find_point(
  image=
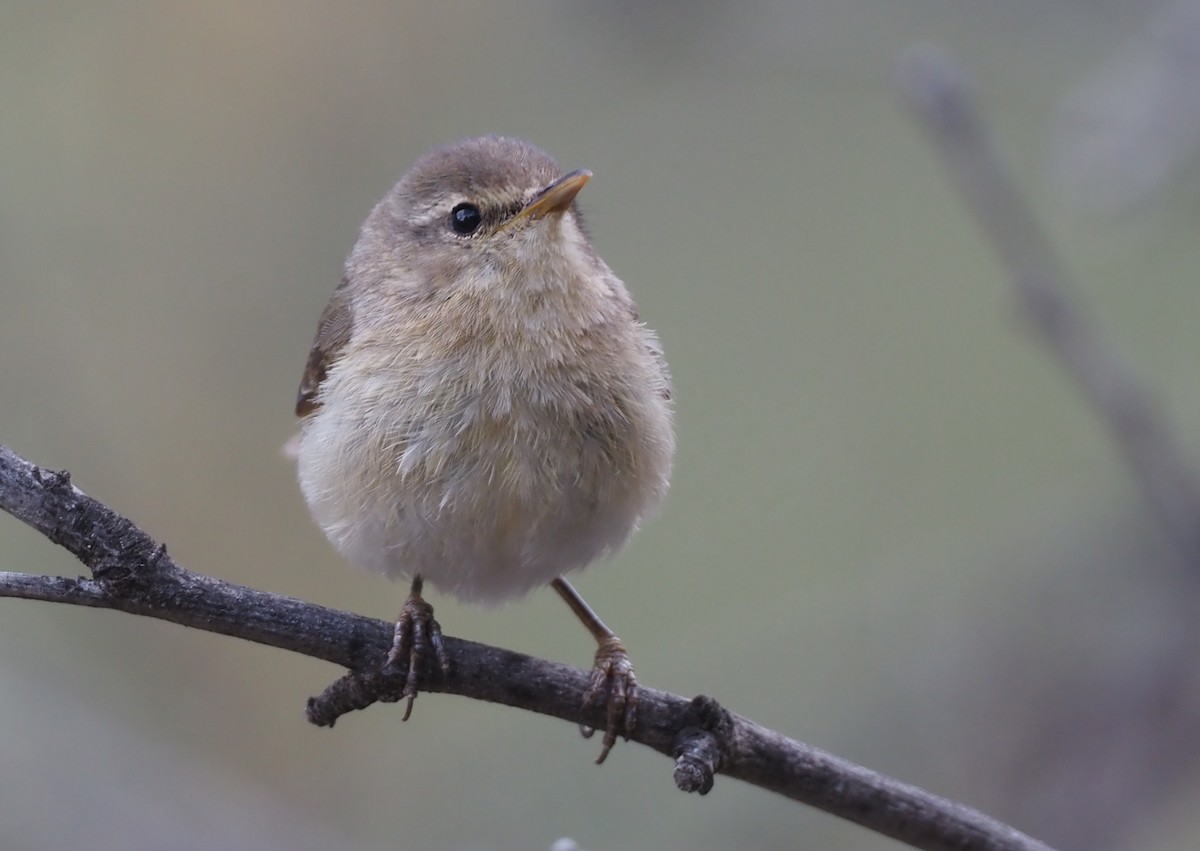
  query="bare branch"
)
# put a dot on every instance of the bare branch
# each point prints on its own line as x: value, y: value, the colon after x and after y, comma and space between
x: 938, y: 92
x: 131, y: 573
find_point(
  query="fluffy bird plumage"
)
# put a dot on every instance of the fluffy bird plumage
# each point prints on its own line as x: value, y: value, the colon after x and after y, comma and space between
x: 484, y: 410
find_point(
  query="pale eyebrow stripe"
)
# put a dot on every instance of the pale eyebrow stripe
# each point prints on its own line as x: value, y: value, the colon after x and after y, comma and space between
x: 436, y: 211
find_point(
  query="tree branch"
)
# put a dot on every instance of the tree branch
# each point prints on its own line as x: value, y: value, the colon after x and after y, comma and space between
x: 132, y: 573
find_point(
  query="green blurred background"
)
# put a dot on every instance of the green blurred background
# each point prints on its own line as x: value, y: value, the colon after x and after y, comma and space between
x: 895, y: 530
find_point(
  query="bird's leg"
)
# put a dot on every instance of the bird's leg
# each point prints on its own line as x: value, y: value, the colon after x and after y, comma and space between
x: 612, y: 678
x: 416, y: 633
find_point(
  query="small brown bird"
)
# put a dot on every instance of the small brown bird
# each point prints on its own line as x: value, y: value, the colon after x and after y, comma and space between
x: 482, y: 407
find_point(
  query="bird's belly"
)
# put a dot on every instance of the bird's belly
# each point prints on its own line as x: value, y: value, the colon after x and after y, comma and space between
x: 485, y: 509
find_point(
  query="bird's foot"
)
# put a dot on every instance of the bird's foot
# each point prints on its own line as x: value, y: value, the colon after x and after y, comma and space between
x: 417, y: 632
x: 613, y: 685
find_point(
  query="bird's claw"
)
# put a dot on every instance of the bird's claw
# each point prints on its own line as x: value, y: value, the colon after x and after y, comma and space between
x: 416, y: 633
x: 612, y: 683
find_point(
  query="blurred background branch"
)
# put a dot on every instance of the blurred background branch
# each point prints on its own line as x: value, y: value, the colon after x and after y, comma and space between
x: 937, y: 89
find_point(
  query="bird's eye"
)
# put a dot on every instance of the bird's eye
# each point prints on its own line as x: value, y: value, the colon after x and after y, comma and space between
x: 465, y: 219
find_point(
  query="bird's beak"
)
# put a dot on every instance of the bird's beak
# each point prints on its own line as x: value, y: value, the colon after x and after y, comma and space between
x: 556, y: 197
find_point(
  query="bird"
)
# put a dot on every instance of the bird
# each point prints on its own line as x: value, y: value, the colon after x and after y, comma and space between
x: 482, y: 408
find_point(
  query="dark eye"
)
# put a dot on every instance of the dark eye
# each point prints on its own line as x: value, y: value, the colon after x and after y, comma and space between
x: 465, y: 219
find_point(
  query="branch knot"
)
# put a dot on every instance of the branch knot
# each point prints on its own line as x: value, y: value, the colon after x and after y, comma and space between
x: 701, y: 745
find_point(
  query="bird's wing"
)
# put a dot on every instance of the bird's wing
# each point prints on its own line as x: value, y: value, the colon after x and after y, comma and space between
x: 333, y: 332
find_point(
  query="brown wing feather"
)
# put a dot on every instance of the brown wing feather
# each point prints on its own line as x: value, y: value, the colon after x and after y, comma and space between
x: 333, y: 332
